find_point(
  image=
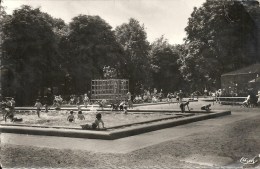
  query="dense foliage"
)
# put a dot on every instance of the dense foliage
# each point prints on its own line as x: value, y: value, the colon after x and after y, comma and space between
x: 220, y: 36
x: 43, y: 55
x: 31, y: 59
x: 165, y: 69
x: 133, y: 39
x: 89, y: 45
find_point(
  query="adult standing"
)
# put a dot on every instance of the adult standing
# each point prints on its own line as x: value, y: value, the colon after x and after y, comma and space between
x: 205, y: 92
x: 181, y: 95
x: 12, y: 108
x: 45, y: 102
x: 129, y: 99
x: 38, y: 106
x: 86, y: 100
x: 161, y: 95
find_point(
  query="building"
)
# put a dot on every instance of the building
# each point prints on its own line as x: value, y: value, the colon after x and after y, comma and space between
x: 242, y: 80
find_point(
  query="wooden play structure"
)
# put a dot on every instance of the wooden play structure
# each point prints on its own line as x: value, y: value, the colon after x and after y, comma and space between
x: 109, y: 89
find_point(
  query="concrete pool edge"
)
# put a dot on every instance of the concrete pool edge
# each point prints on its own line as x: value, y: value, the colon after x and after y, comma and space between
x: 88, y: 108
x: 110, y: 135
x: 126, y: 132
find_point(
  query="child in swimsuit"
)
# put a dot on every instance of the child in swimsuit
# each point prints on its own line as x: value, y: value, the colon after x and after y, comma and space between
x: 71, y: 117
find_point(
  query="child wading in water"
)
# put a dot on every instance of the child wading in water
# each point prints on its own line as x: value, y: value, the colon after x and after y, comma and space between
x: 81, y: 116
x: 38, y: 105
x: 71, y: 117
x: 96, y: 124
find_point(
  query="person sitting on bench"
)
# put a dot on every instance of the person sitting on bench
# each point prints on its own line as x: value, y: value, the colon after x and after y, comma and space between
x: 183, y: 105
x: 206, y: 107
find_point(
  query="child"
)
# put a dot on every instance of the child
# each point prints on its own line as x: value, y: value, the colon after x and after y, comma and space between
x: 38, y: 106
x: 81, y: 116
x: 71, y: 117
x: 122, y: 105
x: 206, y: 107
x: 99, y: 120
x: 94, y: 125
x: 183, y: 105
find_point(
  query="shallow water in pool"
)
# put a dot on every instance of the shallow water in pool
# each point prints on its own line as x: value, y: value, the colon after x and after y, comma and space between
x: 110, y: 118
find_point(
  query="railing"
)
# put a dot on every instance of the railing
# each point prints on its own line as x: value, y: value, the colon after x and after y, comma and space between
x: 230, y: 100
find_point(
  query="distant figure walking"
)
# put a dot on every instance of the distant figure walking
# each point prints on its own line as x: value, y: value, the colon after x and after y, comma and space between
x: 129, y: 99
x: 181, y: 95
x: 169, y: 98
x: 86, y: 100
x: 12, y: 105
x: 45, y: 103
x: 38, y: 106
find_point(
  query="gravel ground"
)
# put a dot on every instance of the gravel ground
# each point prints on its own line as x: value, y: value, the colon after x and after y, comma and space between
x: 235, y: 140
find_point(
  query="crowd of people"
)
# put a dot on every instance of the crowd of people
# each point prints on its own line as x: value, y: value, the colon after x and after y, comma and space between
x: 148, y: 96
x: 95, y: 125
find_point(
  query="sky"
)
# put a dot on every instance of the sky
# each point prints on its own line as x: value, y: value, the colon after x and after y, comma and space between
x: 160, y: 17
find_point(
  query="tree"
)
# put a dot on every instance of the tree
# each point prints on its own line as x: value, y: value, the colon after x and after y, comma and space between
x: 165, y: 69
x: 109, y: 72
x: 31, y: 54
x: 4, y: 18
x: 218, y: 38
x: 133, y: 38
x: 89, y: 46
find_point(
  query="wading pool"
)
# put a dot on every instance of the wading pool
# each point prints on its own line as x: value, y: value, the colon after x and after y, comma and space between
x: 111, y: 118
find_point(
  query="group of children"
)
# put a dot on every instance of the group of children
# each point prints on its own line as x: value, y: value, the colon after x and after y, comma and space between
x: 95, y: 125
x: 71, y: 117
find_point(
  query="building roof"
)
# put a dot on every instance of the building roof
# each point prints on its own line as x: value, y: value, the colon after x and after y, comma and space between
x: 255, y: 68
